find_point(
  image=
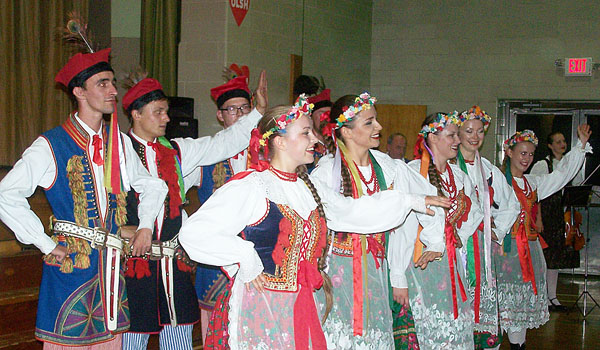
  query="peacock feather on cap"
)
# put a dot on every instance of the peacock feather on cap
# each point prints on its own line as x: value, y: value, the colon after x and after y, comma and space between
x: 76, y: 33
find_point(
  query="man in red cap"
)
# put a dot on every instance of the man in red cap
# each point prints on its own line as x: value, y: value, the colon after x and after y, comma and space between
x: 161, y: 294
x: 322, y: 104
x: 85, y: 167
x: 233, y: 101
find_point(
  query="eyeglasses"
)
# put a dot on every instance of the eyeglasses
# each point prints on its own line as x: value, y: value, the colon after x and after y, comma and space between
x: 232, y: 110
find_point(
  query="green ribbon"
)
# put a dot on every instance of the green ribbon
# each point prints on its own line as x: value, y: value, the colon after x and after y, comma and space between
x: 470, y: 248
x: 163, y: 141
x: 507, y: 242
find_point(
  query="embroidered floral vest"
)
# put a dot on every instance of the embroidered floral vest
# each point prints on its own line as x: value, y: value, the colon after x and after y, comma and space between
x: 73, y: 195
x: 283, y: 239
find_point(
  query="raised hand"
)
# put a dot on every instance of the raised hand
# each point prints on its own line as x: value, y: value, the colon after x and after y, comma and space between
x: 583, y: 133
x: 262, y: 99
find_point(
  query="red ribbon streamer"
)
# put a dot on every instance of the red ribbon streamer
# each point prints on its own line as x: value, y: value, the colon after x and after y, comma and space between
x: 377, y: 249
x: 451, y: 249
x: 357, y: 284
x: 167, y: 170
x: 525, y: 257
x: 306, y: 318
x: 528, y: 212
x: 115, y: 175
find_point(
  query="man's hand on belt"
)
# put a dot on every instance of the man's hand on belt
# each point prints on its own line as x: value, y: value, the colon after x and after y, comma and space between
x: 141, y: 242
x: 59, y: 252
x: 128, y: 231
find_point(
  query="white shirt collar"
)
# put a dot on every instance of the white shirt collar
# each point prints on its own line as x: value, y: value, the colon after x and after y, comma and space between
x: 86, y: 127
x: 139, y: 139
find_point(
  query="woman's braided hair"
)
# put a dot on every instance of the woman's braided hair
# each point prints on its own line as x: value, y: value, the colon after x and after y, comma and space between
x: 434, y: 177
x: 266, y: 123
x: 336, y: 110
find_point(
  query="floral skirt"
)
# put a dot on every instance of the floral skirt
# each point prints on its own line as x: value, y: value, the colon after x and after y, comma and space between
x: 377, y: 315
x: 487, y: 330
x: 430, y: 293
x: 519, y: 307
x: 261, y: 320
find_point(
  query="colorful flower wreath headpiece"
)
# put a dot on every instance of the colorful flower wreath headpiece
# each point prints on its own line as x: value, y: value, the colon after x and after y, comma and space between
x: 475, y: 112
x: 363, y: 102
x: 521, y: 136
x: 300, y: 108
x: 440, y: 122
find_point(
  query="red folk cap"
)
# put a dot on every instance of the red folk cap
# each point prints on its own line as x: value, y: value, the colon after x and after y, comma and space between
x: 143, y: 87
x: 325, y: 95
x: 78, y: 63
x: 237, y: 83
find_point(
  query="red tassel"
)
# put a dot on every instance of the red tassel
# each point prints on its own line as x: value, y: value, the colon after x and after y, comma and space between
x: 129, y: 270
x: 142, y: 269
x: 183, y: 267
x: 138, y: 268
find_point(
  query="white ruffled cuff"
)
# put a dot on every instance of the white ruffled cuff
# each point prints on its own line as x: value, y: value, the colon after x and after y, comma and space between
x: 398, y: 279
x: 250, y: 269
x: 439, y: 247
x: 417, y: 202
x: 587, y: 149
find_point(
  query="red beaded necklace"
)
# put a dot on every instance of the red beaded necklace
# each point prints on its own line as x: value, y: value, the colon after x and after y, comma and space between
x: 283, y: 175
x: 449, y: 186
x: 373, y: 180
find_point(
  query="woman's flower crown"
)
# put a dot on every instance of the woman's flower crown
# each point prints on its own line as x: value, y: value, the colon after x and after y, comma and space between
x: 440, y: 122
x: 300, y: 108
x: 475, y: 112
x: 361, y: 103
x: 521, y: 136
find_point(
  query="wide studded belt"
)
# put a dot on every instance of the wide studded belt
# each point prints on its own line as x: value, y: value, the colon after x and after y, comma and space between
x: 112, y: 246
x: 98, y: 237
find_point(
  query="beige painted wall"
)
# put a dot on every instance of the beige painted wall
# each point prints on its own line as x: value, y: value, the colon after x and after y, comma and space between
x: 454, y: 54
x: 335, y: 43
x: 125, y: 24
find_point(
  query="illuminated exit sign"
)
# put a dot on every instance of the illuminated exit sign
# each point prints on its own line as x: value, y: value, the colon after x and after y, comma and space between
x: 578, y: 67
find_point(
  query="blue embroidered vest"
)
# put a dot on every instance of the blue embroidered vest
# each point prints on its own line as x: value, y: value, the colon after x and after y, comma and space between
x: 213, y: 177
x: 71, y: 306
x: 282, y: 239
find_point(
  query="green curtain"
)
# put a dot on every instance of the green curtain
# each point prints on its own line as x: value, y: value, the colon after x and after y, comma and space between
x: 31, y: 53
x: 159, y: 41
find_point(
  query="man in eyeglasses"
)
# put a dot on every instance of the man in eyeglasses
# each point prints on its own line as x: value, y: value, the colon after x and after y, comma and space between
x: 233, y: 101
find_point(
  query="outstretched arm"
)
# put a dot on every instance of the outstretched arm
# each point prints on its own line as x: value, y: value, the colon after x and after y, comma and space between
x: 210, y: 235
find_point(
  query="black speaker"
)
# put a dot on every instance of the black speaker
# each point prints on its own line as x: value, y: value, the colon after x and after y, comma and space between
x: 181, y: 107
x: 182, y: 127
